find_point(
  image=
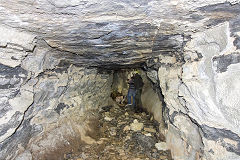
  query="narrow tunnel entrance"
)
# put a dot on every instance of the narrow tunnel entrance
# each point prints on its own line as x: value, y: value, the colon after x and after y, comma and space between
x: 151, y: 96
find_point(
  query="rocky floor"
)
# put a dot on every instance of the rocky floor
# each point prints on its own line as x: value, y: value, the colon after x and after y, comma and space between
x: 124, y: 135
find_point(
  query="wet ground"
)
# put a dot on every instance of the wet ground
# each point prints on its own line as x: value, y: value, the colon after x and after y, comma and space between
x: 125, y: 135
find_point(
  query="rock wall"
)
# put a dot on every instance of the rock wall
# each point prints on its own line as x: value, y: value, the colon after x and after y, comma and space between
x: 202, y: 96
x: 47, y: 106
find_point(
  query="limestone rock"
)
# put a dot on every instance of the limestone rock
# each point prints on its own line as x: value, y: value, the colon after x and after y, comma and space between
x: 108, y: 118
x: 152, y: 130
x: 113, y: 131
x: 162, y: 146
x: 126, y: 128
x: 181, y: 89
x: 136, y: 126
x: 17, y: 39
x: 148, y: 134
x: 26, y: 155
x: 53, y: 98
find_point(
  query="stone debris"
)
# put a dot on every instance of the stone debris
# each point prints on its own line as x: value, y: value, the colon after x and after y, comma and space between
x: 148, y: 134
x: 136, y: 126
x: 127, y: 136
x: 161, y: 146
x: 149, y: 130
x: 107, y: 118
x: 126, y: 128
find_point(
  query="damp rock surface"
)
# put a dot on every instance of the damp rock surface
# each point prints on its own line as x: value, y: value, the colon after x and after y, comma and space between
x: 118, y: 143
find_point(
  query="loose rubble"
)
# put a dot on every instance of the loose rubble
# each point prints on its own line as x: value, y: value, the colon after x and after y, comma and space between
x: 125, y: 135
x: 161, y: 146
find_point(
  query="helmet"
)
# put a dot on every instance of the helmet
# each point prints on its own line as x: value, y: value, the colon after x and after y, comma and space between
x: 137, y: 72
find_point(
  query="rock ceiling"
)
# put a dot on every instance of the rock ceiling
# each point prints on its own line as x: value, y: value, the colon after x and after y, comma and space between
x: 116, y: 31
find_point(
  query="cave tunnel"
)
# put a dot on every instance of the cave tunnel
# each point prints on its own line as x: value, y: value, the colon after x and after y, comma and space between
x: 65, y: 64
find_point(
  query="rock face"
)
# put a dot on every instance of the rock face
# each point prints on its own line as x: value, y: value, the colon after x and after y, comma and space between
x: 201, y: 97
x: 45, y: 103
x: 52, y: 60
x: 111, y: 34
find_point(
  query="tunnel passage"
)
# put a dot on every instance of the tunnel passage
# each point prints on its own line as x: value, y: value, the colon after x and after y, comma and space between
x: 123, y: 132
x: 72, y: 118
x: 151, y: 97
x: 56, y: 70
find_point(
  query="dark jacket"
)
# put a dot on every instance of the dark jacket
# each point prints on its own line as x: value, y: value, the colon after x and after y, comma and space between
x: 138, y: 81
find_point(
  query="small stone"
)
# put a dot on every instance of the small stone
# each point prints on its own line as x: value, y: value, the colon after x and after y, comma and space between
x: 162, y: 146
x: 107, y: 118
x: 137, y: 116
x: 148, y: 134
x: 101, y: 140
x: 126, y: 128
x: 107, y: 113
x: 136, y: 126
x: 149, y: 130
x: 121, y: 152
x: 127, y: 138
x: 151, y: 118
x: 121, y: 123
x: 84, y: 156
x: 163, y: 157
x: 126, y: 114
x: 154, y: 155
x: 135, y: 121
x: 113, y: 131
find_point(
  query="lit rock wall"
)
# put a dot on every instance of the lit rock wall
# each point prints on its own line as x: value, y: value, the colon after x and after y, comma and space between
x: 47, y: 106
x: 202, y: 97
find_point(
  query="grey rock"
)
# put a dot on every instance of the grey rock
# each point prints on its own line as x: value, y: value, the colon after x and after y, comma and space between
x: 222, y: 62
x: 60, y: 107
x: 145, y: 142
x: 161, y: 146
x: 221, y: 134
x: 11, y: 77
x: 26, y: 155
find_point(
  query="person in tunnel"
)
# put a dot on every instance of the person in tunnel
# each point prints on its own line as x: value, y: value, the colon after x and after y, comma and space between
x: 138, y: 84
x: 131, y: 92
